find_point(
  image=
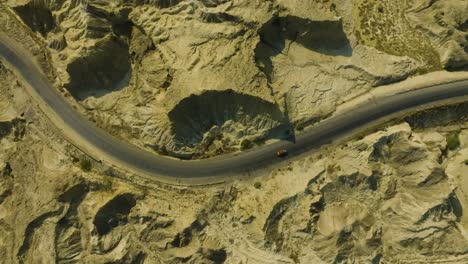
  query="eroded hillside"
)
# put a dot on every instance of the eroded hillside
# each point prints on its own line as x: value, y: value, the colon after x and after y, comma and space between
x: 397, y: 195
x: 140, y: 68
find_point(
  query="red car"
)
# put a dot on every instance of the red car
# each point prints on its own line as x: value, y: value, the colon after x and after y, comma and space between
x: 281, y: 153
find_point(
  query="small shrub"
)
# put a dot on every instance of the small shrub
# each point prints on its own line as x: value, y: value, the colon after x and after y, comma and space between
x: 466, y: 162
x: 453, y: 142
x: 258, y: 185
x: 163, y: 151
x: 295, y: 257
x: 107, y: 183
x: 85, y: 165
x: 246, y: 144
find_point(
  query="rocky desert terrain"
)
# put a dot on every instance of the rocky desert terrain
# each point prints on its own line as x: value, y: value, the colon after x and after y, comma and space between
x: 397, y: 195
x: 198, y: 78
x: 193, y: 79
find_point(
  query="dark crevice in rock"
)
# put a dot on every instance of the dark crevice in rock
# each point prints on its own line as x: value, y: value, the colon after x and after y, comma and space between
x: 463, y: 26
x: 37, y: 16
x: 6, y: 182
x: 217, y: 256
x: 158, y: 3
x: 218, y: 17
x: 156, y: 227
x: 114, y: 213
x: 455, y: 205
x: 377, y: 259
x: 185, y: 237
x: 16, y: 126
x: 339, y: 258
x: 437, y: 175
x: 352, y: 181
x: 343, y: 237
x: 58, y: 43
x: 167, y: 3
x: 4, y: 195
x: 123, y: 29
x: 96, y: 12
x: 314, y: 210
x: 7, y: 170
x: 213, y: 3
x: 30, y: 230
x: 373, y: 181
x: 140, y: 44
x: 101, y: 71
x: 443, y: 211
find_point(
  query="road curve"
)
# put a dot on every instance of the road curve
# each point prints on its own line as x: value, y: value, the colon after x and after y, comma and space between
x: 126, y: 156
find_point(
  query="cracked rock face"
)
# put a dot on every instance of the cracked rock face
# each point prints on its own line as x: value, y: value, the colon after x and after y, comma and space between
x: 132, y: 65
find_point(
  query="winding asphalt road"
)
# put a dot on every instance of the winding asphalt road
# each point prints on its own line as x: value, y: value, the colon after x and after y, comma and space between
x: 129, y: 157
